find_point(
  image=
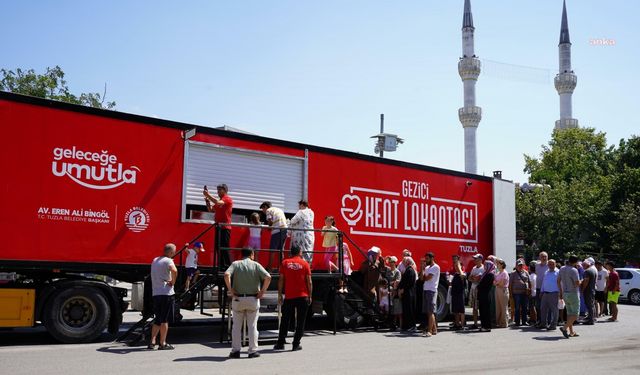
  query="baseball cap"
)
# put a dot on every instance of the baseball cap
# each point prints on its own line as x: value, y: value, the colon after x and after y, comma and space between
x: 197, y: 244
x: 519, y: 262
x: 393, y: 259
x: 478, y: 256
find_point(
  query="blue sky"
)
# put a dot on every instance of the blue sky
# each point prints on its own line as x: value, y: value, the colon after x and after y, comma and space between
x: 321, y: 72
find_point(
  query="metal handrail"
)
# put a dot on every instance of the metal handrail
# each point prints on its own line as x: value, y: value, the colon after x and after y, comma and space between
x: 218, y: 248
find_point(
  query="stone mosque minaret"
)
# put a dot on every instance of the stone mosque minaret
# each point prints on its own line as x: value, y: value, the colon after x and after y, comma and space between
x: 566, y: 80
x: 469, y: 70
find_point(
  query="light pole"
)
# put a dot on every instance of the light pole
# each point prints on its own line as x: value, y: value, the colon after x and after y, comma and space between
x: 385, y: 142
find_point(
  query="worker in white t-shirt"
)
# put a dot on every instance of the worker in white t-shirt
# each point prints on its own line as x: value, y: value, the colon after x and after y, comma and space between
x: 431, y: 278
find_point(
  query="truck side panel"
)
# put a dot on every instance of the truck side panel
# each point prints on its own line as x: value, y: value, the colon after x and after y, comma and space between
x: 84, y: 188
x: 398, y: 208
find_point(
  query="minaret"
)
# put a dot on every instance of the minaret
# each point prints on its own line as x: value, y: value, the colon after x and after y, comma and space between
x: 469, y: 70
x: 565, y: 81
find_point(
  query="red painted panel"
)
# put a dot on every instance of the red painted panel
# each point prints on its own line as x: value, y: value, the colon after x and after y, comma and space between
x: 85, y: 188
x: 398, y: 208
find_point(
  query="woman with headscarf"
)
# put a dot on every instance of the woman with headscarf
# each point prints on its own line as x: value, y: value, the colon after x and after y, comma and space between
x: 484, y: 289
x: 371, y: 269
x: 407, y: 292
x: 303, y: 239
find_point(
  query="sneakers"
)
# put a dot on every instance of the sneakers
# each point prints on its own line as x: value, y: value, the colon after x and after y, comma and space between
x: 254, y: 355
x: 234, y: 355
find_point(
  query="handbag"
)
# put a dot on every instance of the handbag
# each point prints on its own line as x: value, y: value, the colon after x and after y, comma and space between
x: 526, y: 283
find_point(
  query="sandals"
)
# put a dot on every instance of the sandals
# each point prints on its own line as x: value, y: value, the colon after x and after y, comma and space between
x: 575, y: 334
x: 166, y: 346
x: 151, y: 346
x: 564, y: 332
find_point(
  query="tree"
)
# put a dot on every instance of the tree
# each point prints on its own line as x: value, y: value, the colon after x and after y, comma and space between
x: 588, y: 199
x: 50, y: 85
x: 567, y: 212
x: 572, y: 154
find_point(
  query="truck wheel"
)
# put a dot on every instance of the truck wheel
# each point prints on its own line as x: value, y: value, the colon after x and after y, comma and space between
x: 634, y: 296
x: 442, y: 308
x: 77, y: 314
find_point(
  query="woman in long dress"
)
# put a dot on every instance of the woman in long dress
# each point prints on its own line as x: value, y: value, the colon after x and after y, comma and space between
x: 407, y: 291
x: 484, y: 288
x: 304, y: 239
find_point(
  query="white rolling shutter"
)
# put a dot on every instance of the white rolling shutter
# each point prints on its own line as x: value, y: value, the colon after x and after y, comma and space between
x: 252, y: 177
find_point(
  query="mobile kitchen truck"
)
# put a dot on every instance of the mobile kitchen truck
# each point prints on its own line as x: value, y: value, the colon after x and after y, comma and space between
x: 89, y: 191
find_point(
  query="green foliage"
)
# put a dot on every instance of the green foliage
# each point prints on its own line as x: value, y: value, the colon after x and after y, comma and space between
x: 588, y: 200
x: 50, y: 85
x: 571, y: 154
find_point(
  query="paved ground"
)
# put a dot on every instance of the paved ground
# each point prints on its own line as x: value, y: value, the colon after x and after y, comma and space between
x: 613, y: 348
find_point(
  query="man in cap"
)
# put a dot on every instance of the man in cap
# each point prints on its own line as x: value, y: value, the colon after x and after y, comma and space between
x: 520, y: 289
x: 474, y: 276
x: 191, y: 264
x: 278, y: 223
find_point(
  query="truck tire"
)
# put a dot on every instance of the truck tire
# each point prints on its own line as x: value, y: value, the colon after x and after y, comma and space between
x: 442, y: 307
x: 76, y: 314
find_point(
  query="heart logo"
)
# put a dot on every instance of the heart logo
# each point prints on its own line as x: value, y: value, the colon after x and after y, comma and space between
x: 351, y: 211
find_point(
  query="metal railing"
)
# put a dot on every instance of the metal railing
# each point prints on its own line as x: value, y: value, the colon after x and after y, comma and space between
x: 279, y: 253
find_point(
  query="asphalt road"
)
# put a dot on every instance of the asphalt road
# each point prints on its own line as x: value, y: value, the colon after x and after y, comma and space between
x: 612, y: 348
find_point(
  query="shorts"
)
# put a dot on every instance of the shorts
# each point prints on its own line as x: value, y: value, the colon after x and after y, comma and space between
x: 601, y: 296
x: 473, y: 297
x: 572, y: 303
x: 163, y: 308
x: 612, y: 297
x: 191, y: 271
x: 428, y: 301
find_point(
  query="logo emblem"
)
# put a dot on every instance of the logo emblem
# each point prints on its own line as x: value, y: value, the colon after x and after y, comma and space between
x: 351, y: 209
x: 137, y: 219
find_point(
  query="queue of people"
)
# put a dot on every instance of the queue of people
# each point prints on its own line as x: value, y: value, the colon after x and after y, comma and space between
x: 540, y: 294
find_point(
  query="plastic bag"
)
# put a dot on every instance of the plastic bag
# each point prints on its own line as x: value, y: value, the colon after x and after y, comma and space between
x: 561, y: 304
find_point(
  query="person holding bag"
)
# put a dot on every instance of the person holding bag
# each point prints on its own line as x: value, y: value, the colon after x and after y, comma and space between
x: 520, y: 289
x: 501, y: 282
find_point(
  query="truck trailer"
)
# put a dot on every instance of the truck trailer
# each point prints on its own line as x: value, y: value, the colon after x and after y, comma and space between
x: 98, y: 192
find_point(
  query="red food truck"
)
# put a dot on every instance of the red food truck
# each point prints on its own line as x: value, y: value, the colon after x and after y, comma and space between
x: 91, y: 191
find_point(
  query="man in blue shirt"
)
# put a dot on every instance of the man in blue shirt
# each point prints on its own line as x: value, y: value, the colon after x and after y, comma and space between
x: 549, y: 298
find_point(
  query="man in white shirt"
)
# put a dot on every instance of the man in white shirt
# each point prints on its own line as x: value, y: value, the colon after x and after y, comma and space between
x: 474, y: 276
x: 191, y: 264
x: 278, y: 223
x: 601, y: 289
x: 163, y: 276
x: 431, y: 278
